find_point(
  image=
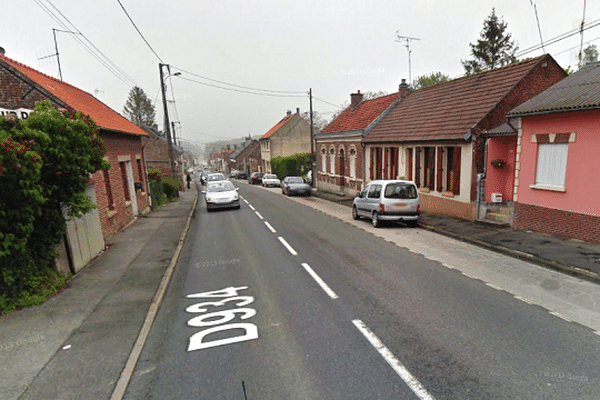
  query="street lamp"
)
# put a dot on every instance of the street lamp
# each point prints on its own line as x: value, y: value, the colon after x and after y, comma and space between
x: 167, y: 125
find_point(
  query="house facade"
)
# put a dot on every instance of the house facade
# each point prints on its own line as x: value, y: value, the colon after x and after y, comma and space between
x: 121, y: 192
x: 289, y: 136
x: 339, y: 149
x: 245, y: 157
x: 435, y: 135
x: 557, y: 175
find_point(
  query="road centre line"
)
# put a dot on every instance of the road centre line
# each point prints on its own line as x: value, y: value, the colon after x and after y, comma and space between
x: 320, y: 281
x: 251, y: 207
x: 396, y: 365
x: 259, y: 216
x: 287, y: 246
x: 270, y: 227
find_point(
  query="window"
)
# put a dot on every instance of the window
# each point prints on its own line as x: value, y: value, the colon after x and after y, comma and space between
x: 374, y: 192
x: 140, y: 173
x: 109, y: 195
x: 552, y: 165
x: 125, y: 181
x: 324, y: 160
x: 352, y: 163
x: 332, y: 161
x: 551, y: 169
x: 400, y: 191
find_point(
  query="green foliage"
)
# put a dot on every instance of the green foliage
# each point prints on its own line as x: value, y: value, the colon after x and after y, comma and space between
x: 170, y: 186
x: 590, y: 55
x: 296, y: 165
x: 432, y: 79
x: 45, y: 164
x: 493, y: 49
x: 154, y: 174
x: 139, y: 108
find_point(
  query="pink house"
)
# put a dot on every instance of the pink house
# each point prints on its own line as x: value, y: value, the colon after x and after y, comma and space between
x: 557, y: 173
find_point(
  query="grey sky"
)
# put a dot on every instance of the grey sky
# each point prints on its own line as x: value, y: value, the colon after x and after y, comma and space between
x: 335, y: 47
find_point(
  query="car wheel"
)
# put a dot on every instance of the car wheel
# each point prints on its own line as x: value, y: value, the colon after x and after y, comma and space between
x: 355, y: 213
x: 375, y: 220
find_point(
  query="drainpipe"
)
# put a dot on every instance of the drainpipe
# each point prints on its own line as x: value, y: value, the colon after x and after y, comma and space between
x: 480, y: 180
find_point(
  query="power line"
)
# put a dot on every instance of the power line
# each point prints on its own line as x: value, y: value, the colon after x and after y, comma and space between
x: 138, y: 31
x: 237, y: 86
x: 326, y: 102
x: 242, y: 91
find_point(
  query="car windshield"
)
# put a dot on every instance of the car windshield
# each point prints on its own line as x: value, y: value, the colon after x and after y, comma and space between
x: 295, y: 180
x: 400, y: 191
x: 223, y: 186
x: 216, y: 177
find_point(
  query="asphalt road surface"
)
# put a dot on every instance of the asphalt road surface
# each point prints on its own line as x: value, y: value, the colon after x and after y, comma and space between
x: 279, y: 300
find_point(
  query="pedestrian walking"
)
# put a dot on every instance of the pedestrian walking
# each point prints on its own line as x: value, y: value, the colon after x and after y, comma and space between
x: 189, y: 180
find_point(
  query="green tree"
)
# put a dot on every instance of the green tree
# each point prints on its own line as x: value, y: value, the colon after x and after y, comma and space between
x: 493, y: 49
x: 432, y: 79
x: 590, y: 55
x: 45, y: 165
x: 138, y: 108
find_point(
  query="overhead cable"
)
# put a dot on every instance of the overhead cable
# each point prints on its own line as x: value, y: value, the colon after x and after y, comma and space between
x: 138, y: 31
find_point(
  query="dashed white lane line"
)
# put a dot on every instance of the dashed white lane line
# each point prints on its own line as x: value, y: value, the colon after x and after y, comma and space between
x: 396, y: 365
x: 320, y: 281
x: 287, y: 246
x: 251, y: 207
x: 258, y: 214
x: 270, y: 227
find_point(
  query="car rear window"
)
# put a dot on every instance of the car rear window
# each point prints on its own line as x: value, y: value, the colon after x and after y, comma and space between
x: 400, y: 191
x: 223, y: 186
x: 295, y: 180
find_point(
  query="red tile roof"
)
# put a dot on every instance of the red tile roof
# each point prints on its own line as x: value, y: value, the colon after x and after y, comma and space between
x: 449, y: 110
x: 103, y: 116
x: 277, y: 126
x: 359, y: 117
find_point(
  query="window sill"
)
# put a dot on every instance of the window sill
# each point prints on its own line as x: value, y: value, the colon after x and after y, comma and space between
x: 447, y: 194
x: 550, y: 188
x: 112, y: 213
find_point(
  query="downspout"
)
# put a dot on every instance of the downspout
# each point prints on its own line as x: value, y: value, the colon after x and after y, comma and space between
x: 480, y: 179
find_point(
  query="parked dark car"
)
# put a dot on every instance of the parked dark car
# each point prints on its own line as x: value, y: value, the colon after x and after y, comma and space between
x: 295, y: 185
x: 255, y: 178
x: 242, y: 175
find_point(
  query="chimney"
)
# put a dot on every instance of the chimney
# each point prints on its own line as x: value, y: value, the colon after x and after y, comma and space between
x: 289, y: 112
x: 2, y: 51
x: 355, y: 98
x: 403, y: 87
x: 297, y: 110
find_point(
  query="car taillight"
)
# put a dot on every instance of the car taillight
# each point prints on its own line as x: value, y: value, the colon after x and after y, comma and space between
x: 418, y: 208
x: 381, y: 207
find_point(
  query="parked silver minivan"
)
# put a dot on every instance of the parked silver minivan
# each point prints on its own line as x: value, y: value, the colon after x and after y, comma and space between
x: 388, y: 200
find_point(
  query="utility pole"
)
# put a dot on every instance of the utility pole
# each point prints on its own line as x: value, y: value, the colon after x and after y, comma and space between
x: 407, y: 39
x: 313, y: 176
x: 167, y: 125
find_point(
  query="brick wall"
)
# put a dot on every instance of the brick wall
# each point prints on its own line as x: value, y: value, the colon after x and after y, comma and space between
x: 447, y: 206
x: 529, y: 217
x: 332, y: 182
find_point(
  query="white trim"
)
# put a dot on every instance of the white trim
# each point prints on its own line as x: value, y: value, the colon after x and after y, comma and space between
x: 551, y: 188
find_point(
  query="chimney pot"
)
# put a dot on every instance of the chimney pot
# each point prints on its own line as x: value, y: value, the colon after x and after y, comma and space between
x: 289, y: 112
x: 297, y: 110
x: 403, y: 88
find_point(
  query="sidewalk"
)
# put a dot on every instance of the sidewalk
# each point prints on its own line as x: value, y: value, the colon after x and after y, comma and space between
x: 76, y: 344
x: 570, y: 256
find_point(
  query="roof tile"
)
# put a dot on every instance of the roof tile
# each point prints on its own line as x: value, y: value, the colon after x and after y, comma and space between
x: 361, y: 116
x: 104, y: 116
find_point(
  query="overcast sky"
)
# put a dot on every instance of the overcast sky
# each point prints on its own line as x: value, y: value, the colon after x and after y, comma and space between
x: 334, y: 47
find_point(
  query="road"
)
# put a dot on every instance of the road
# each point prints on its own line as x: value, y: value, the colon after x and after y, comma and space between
x: 289, y: 299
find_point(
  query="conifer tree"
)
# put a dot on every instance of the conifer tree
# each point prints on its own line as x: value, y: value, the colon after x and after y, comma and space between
x: 138, y: 108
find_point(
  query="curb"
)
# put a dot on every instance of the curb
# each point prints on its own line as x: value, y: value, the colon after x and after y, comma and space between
x: 554, y: 265
x: 123, y: 382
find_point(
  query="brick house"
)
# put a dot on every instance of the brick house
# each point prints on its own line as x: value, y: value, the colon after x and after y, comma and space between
x: 156, y: 151
x: 435, y: 135
x: 121, y: 192
x: 557, y: 174
x: 244, y: 158
x: 289, y: 136
x: 340, y: 155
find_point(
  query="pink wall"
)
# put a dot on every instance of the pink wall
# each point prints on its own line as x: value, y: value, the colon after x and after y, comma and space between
x: 582, y: 181
x: 501, y: 180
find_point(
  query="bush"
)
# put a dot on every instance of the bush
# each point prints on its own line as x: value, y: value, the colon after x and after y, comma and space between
x: 170, y: 186
x: 296, y: 165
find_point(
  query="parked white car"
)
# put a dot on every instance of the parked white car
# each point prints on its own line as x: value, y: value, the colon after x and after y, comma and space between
x: 269, y: 180
x: 388, y: 200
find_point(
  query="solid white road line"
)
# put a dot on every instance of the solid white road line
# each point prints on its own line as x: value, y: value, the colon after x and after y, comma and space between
x: 397, y: 366
x: 259, y: 216
x: 287, y: 246
x: 270, y: 227
x: 320, y: 281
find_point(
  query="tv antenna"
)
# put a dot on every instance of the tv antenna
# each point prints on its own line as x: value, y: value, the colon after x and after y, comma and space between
x: 406, y: 40
x: 56, y: 49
